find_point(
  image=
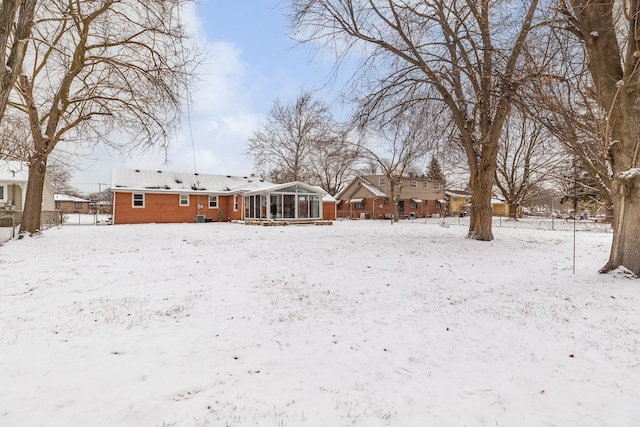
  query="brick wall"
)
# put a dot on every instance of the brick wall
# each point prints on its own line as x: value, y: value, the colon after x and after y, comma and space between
x: 70, y: 207
x: 166, y: 208
x: 376, y: 209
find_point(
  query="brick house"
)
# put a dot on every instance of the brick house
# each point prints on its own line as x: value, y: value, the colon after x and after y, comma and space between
x: 369, y: 197
x: 142, y: 196
x: 70, y: 204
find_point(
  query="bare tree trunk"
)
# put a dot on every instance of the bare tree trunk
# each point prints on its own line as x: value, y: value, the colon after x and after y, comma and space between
x: 625, y: 190
x: 481, y: 219
x: 513, y: 211
x: 33, y: 199
x: 393, y: 199
x: 625, y: 245
x: 613, y: 64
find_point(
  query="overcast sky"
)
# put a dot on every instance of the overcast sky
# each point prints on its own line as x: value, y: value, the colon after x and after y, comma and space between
x: 251, y: 62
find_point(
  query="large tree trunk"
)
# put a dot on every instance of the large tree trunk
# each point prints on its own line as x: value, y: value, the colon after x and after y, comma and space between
x: 613, y: 63
x: 625, y: 247
x: 481, y: 219
x: 513, y: 211
x: 33, y: 199
x: 625, y: 192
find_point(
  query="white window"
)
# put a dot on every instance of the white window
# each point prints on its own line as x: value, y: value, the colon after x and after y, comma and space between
x: 2, y: 192
x: 213, y: 201
x: 235, y: 203
x: 414, y: 183
x: 382, y: 182
x: 138, y: 200
x: 425, y: 184
x: 184, y: 200
x: 436, y: 186
x: 397, y: 183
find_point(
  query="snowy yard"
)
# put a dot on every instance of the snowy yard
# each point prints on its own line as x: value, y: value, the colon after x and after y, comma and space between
x: 359, y: 323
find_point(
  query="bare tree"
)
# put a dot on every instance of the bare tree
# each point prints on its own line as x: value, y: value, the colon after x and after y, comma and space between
x: 60, y: 177
x: 302, y: 142
x: 284, y: 143
x: 396, y: 147
x: 470, y: 56
x: 610, y: 33
x: 110, y: 72
x: 333, y: 162
x: 526, y: 161
x: 16, y: 20
x: 574, y: 116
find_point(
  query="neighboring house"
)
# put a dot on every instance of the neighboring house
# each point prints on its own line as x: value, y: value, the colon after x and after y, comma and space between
x: 13, y: 187
x: 498, y: 208
x: 369, y: 197
x: 71, y: 205
x: 142, y: 196
x: 458, y: 202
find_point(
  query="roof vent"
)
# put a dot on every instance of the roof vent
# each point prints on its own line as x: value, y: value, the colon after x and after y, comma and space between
x: 228, y: 176
x: 196, y: 174
x: 159, y: 171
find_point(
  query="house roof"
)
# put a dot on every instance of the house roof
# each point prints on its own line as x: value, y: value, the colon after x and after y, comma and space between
x: 372, y: 188
x: 457, y: 193
x: 68, y: 198
x: 362, y: 181
x: 177, y: 182
x: 13, y: 171
x: 277, y: 187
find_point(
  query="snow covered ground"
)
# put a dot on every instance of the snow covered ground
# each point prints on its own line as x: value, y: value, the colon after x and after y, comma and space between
x: 359, y: 323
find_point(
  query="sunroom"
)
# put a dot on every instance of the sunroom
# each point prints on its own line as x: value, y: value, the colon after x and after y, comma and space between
x: 291, y: 201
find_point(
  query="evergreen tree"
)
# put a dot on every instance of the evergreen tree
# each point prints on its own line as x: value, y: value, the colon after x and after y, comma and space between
x: 434, y: 171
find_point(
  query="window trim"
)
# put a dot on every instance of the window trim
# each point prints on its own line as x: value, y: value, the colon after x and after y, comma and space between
x: 414, y: 183
x: 436, y: 186
x: 425, y: 185
x: 382, y: 182
x: 215, y: 205
x: 142, y: 199
x: 180, y: 200
x: 4, y: 189
x: 235, y: 203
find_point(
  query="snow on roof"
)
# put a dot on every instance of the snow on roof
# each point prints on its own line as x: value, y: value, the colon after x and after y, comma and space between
x: 174, y: 182
x: 277, y: 187
x: 68, y: 198
x: 14, y: 171
x: 457, y: 193
x: 372, y: 188
x: 326, y: 197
